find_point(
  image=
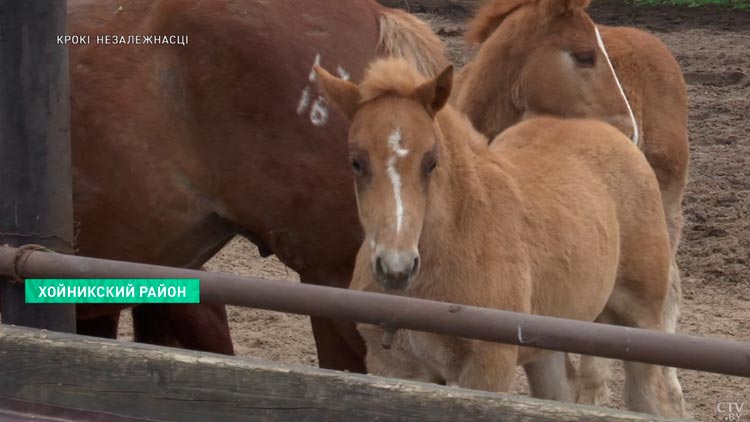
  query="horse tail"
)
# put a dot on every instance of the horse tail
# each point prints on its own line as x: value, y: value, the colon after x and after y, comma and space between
x: 404, y: 35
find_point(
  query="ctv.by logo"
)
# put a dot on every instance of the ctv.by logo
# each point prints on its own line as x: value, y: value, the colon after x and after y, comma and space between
x: 730, y: 411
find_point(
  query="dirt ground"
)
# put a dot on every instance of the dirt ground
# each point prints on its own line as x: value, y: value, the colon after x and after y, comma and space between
x: 712, y: 46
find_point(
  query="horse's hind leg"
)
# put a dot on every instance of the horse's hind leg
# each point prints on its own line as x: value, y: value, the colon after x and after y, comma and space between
x: 592, y: 380
x: 593, y: 374
x: 648, y: 388
x: 671, y: 313
x: 672, y: 187
x: 550, y: 377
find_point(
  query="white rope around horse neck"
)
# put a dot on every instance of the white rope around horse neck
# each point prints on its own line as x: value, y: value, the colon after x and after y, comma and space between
x: 636, y: 137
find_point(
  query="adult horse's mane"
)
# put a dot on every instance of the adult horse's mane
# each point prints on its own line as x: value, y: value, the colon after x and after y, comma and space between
x: 391, y: 76
x: 403, y: 35
x: 492, y: 14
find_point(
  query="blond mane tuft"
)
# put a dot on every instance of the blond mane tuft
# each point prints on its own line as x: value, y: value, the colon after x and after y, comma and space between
x: 390, y: 76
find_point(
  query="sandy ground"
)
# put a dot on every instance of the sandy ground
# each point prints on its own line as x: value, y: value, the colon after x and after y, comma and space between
x: 711, y: 46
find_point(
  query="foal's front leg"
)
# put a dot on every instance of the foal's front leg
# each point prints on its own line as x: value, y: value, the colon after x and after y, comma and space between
x: 397, y: 362
x: 487, y: 367
x: 550, y: 378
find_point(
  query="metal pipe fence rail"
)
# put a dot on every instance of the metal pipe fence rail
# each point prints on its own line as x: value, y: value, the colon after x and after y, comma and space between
x: 721, y: 356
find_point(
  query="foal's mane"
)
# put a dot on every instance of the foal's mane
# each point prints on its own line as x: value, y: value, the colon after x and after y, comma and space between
x: 389, y: 76
x: 493, y: 12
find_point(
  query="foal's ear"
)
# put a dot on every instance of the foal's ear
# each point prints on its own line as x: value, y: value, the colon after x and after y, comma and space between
x: 489, y: 17
x: 342, y: 93
x: 434, y: 93
x: 559, y: 7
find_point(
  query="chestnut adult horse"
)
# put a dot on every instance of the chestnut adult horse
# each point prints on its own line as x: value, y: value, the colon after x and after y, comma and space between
x: 548, y: 57
x: 178, y: 148
x: 557, y: 217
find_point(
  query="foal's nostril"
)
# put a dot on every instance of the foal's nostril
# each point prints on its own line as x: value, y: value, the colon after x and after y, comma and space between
x: 379, y: 266
x: 415, y: 266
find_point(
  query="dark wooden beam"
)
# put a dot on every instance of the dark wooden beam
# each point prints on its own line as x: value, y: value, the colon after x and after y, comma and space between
x: 35, y: 176
x: 25, y: 411
x: 144, y: 381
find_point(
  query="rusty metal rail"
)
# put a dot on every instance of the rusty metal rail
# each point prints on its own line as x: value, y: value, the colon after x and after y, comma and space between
x: 727, y: 357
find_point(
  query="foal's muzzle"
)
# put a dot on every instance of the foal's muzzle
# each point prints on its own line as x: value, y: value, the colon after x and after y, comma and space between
x: 394, y: 270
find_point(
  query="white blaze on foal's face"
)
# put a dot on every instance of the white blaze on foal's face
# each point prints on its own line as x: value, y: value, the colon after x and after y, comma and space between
x: 394, y: 142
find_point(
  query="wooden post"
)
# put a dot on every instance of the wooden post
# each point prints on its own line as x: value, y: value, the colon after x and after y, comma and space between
x: 35, y: 176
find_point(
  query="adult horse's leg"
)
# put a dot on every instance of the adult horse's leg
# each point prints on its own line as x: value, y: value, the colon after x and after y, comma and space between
x: 104, y: 326
x: 203, y: 326
x: 338, y: 345
x: 551, y: 377
x: 151, y: 325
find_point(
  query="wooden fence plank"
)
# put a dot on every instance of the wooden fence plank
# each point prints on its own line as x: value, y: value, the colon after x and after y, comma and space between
x: 145, y: 381
x: 25, y: 411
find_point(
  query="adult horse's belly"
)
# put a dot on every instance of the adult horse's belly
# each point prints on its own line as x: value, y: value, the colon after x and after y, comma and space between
x: 176, y: 148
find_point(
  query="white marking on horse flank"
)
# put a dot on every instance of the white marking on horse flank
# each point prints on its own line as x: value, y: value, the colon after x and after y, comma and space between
x: 343, y: 74
x: 394, y: 142
x: 304, y: 101
x: 312, y: 77
x: 636, y: 136
x: 319, y: 110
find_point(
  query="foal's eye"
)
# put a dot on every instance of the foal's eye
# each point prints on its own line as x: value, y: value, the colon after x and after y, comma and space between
x: 360, y: 164
x: 585, y: 58
x: 429, y: 162
x: 431, y: 166
x: 356, y: 166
